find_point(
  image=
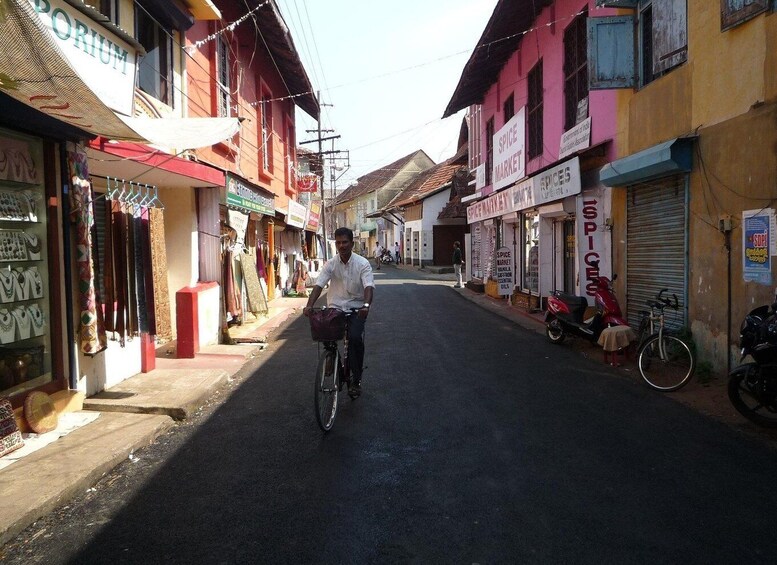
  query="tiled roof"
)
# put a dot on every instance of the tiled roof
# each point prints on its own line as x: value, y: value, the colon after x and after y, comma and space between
x: 376, y: 179
x: 431, y: 180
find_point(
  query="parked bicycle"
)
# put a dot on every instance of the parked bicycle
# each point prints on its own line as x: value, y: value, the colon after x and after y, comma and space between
x: 328, y: 326
x: 665, y: 361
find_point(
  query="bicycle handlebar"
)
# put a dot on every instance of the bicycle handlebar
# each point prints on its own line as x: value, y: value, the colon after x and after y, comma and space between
x: 663, y: 302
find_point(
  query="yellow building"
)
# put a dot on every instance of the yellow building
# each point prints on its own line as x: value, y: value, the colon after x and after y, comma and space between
x: 697, y: 157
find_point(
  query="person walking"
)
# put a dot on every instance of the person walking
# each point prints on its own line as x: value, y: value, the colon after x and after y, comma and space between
x: 397, y: 256
x: 350, y: 286
x: 457, y: 263
x: 378, y: 254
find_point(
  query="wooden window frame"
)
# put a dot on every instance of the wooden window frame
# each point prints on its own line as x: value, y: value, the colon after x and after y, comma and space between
x: 265, y: 131
x: 508, y: 108
x: 489, y: 149
x: 534, y: 112
x: 164, y: 84
x: 575, y: 68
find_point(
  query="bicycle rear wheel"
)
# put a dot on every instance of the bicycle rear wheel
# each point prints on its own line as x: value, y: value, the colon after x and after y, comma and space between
x: 665, y: 363
x: 327, y: 389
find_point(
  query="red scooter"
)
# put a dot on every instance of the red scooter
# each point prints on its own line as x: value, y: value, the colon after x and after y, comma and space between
x: 566, y: 312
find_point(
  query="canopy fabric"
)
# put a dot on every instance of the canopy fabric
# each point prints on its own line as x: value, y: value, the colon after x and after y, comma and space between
x: 34, y: 71
x: 183, y: 133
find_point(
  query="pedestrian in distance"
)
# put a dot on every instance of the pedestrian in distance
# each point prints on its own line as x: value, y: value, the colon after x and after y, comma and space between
x: 457, y: 263
x: 378, y: 254
x: 397, y: 256
x: 350, y: 286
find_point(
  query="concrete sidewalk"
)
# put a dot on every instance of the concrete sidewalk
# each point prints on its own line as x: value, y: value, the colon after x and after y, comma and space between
x: 132, y: 415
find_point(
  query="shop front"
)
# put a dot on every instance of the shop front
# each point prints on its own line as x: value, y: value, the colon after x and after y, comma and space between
x: 247, y: 249
x: 31, y: 290
x: 290, y: 240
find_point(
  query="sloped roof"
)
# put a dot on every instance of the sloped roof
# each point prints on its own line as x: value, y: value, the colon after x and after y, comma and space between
x: 275, y: 33
x: 500, y: 39
x: 430, y: 181
x: 376, y: 179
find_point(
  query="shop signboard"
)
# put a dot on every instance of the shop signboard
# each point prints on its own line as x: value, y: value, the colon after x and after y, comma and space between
x: 509, y: 159
x: 757, y: 237
x: 296, y: 216
x: 307, y: 183
x: 241, y: 195
x: 239, y: 222
x: 504, y: 270
x: 556, y: 183
x: 491, y: 207
x: 313, y: 216
x: 592, y: 241
x: 480, y: 176
x: 576, y: 139
x: 105, y: 62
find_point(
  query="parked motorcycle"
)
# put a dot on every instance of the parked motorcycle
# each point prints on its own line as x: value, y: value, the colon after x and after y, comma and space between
x: 566, y: 312
x: 752, y: 387
x: 386, y: 257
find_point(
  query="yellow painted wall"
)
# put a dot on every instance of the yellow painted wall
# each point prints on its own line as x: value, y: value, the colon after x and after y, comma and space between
x: 726, y: 93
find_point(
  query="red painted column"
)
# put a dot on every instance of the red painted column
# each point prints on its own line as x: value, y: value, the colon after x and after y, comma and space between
x: 147, y: 353
x: 187, y: 323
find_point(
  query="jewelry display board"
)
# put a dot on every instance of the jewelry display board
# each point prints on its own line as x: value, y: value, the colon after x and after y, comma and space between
x: 25, y: 340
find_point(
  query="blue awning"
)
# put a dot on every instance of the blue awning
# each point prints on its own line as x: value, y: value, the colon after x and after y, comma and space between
x: 667, y: 158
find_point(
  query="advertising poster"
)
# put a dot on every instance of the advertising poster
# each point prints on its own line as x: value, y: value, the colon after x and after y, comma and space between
x: 504, y: 270
x: 592, y: 240
x: 756, y: 246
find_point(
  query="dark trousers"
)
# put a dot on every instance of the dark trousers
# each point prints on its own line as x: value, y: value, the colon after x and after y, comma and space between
x: 356, y: 346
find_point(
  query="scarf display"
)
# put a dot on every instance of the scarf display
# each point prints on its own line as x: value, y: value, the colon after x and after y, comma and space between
x: 91, y: 332
x: 134, y: 265
x: 257, y: 303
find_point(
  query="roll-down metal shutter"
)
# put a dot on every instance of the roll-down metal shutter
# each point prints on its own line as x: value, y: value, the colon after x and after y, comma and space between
x: 656, y: 246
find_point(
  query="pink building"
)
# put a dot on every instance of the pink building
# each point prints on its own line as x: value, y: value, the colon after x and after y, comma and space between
x: 538, y: 138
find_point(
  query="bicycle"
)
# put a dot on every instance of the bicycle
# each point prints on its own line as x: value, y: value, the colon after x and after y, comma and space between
x: 328, y: 326
x: 665, y: 361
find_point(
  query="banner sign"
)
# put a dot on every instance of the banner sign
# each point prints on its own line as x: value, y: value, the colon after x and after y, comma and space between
x: 480, y: 176
x: 491, y: 207
x: 504, y: 270
x: 241, y: 195
x: 105, y: 62
x: 554, y: 184
x: 509, y: 159
x: 296, y: 216
x: 314, y: 215
x: 239, y: 222
x: 756, y: 246
x: 592, y: 240
x: 576, y: 139
x: 307, y: 183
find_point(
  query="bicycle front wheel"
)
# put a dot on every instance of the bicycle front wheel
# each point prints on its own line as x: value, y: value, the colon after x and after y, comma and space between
x: 327, y: 389
x: 665, y: 363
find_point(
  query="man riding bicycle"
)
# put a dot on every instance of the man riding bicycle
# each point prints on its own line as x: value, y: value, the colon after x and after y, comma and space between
x: 350, y: 286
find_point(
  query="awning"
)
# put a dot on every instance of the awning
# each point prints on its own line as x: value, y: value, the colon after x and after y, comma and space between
x: 667, y: 158
x: 184, y: 133
x: 145, y: 165
x: 35, y: 71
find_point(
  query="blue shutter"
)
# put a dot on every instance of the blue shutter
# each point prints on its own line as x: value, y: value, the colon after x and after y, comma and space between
x: 670, y: 34
x: 616, y: 3
x: 611, y: 53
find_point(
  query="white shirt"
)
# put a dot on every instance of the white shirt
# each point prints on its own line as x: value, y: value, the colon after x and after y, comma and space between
x: 347, y: 281
x: 378, y: 250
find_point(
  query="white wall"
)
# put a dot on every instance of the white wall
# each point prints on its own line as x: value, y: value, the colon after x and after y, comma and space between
x: 432, y: 207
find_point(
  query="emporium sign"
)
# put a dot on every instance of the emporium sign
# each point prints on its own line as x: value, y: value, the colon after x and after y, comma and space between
x: 244, y: 196
x: 104, y: 62
x: 495, y: 205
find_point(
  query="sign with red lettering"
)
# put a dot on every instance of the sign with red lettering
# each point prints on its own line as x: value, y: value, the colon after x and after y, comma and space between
x: 491, y: 207
x: 509, y: 159
x: 592, y: 239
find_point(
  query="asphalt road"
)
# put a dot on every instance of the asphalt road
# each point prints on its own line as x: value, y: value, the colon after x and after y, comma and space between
x: 474, y: 441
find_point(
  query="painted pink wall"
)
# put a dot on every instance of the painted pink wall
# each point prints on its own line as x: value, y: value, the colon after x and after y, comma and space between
x: 548, y: 41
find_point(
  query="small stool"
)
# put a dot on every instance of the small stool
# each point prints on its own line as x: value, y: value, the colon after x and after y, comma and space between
x: 615, y: 340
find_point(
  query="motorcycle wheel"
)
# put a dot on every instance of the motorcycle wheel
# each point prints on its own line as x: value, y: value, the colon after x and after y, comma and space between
x: 754, y: 394
x: 555, y: 331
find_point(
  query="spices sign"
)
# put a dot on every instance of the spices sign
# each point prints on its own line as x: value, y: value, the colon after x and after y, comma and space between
x: 504, y: 270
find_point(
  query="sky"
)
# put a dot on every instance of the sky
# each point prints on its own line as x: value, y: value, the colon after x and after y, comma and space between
x: 359, y: 54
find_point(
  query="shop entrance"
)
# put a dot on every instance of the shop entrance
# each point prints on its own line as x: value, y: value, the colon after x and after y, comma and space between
x: 570, y: 280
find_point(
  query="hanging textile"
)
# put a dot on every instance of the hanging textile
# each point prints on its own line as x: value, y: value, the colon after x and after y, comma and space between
x: 92, y: 338
x: 231, y: 291
x: 120, y: 263
x: 256, y: 300
x: 109, y: 300
x: 164, y: 329
x: 132, y: 297
x: 148, y: 275
x: 140, y: 277
x: 261, y: 253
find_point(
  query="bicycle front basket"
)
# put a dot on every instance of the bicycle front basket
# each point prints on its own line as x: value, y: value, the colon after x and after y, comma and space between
x: 327, y: 324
